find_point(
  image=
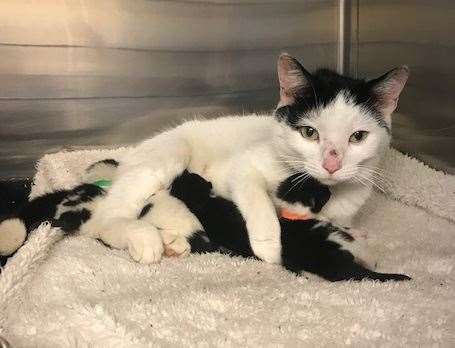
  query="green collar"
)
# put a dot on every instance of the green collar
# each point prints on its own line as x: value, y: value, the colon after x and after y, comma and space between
x: 103, y: 183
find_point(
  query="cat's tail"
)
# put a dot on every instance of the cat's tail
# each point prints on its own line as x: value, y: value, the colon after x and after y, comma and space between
x: 13, y: 233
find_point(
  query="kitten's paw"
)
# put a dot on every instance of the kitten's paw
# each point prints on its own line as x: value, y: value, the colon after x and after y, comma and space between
x: 356, y: 242
x: 268, y: 250
x: 178, y: 247
x: 145, y: 244
x: 358, y: 235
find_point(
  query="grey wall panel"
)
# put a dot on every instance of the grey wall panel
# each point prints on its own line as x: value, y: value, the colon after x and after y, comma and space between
x: 167, y: 25
x: 96, y: 73
x: 421, y: 34
x: 31, y: 128
x: 63, y: 72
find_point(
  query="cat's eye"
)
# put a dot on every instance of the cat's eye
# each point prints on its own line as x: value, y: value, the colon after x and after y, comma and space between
x: 309, y: 133
x: 358, y: 136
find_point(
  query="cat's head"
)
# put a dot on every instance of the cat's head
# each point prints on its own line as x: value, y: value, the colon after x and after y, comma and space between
x: 334, y: 127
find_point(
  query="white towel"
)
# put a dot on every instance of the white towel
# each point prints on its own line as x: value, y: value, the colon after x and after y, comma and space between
x: 86, y: 295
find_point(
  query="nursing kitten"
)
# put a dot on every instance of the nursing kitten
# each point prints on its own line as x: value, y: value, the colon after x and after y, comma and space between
x: 307, y: 245
x: 330, y: 127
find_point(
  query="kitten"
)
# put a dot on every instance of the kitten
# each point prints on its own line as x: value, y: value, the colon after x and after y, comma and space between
x: 327, y: 126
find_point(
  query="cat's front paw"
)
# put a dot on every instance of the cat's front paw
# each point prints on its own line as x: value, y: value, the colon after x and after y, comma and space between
x: 145, y: 244
x: 265, y: 239
x: 267, y: 250
x: 175, y: 246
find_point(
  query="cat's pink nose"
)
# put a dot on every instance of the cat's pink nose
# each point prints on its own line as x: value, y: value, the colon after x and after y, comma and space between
x: 331, y: 164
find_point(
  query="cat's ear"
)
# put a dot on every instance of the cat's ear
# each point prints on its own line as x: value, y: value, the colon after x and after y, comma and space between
x: 387, y: 88
x: 293, y: 78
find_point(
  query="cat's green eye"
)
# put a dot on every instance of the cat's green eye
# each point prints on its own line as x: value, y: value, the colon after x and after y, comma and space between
x: 309, y: 133
x: 358, y: 136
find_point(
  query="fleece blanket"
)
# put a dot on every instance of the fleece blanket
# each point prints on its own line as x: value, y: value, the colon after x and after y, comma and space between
x: 75, y: 292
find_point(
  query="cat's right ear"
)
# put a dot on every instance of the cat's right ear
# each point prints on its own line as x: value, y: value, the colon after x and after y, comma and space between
x: 293, y: 78
x: 387, y: 88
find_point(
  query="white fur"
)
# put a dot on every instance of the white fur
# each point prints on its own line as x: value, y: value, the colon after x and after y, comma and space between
x: 168, y: 218
x: 244, y: 159
x: 200, y: 146
x: 174, y: 222
x: 12, y: 235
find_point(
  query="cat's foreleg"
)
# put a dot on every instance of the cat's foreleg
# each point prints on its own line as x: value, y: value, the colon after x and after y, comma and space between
x: 250, y: 195
x: 174, y: 220
x: 149, y: 168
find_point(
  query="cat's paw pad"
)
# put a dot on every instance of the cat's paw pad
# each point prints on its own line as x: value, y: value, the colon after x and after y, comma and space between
x: 175, y: 246
x: 145, y: 245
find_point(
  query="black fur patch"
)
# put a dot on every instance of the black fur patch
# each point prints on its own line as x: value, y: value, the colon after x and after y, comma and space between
x: 71, y: 221
x: 311, y: 193
x: 346, y: 236
x: 82, y: 194
x: 193, y: 188
x: 145, y: 210
x: 200, y: 243
x: 324, y: 86
x: 108, y: 161
x: 222, y: 221
x: 44, y: 208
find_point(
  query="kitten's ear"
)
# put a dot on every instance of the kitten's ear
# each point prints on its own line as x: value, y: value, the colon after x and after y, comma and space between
x: 387, y: 89
x: 293, y: 78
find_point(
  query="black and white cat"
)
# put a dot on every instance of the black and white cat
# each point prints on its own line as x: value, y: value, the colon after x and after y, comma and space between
x: 212, y: 224
x: 330, y: 127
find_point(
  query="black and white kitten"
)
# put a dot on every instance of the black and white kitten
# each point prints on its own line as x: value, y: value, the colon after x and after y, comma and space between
x: 307, y: 245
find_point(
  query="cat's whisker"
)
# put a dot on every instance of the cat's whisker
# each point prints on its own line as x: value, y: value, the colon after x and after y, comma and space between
x: 302, y: 174
x: 299, y: 182
x: 355, y: 179
x: 291, y: 158
x: 377, y: 177
x: 372, y: 182
x: 298, y: 177
x: 378, y: 170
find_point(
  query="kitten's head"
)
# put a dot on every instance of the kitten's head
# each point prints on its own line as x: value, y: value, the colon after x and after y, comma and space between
x: 334, y: 127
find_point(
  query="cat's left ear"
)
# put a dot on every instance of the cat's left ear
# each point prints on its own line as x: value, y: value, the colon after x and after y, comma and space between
x: 387, y: 88
x: 294, y: 79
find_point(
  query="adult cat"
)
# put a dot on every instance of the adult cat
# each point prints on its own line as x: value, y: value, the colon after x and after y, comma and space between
x: 331, y: 127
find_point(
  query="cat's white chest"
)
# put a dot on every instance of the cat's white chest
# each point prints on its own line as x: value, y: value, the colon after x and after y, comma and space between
x: 344, y: 203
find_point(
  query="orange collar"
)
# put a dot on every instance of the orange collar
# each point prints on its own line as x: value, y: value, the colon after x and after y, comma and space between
x: 289, y: 215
